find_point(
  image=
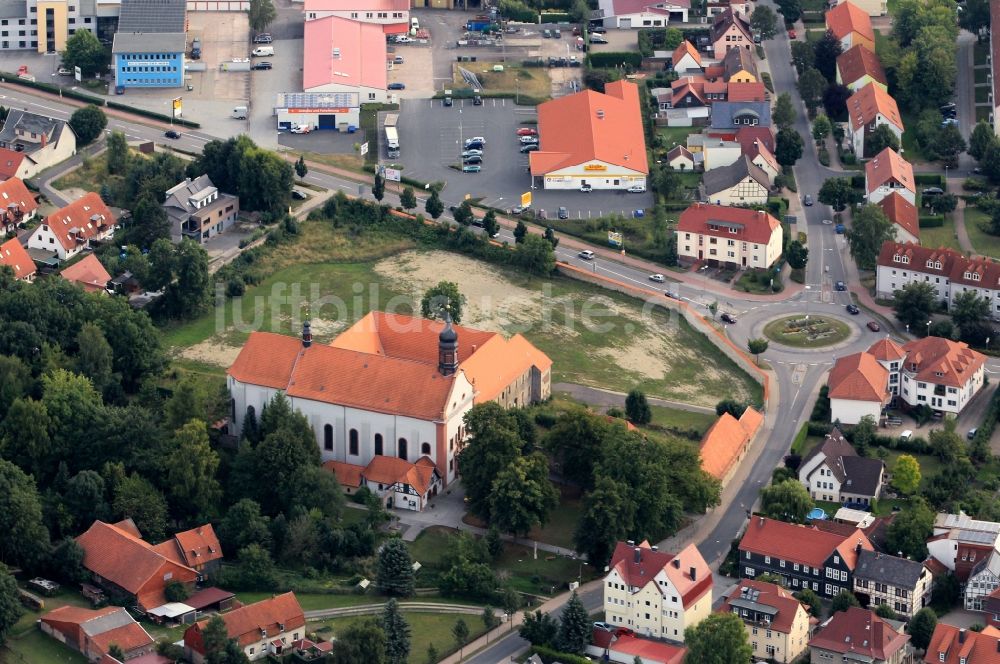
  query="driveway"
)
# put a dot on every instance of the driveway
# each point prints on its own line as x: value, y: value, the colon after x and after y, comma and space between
x: 286, y: 76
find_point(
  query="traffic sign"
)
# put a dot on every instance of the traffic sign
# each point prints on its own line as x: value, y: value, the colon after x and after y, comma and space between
x: 526, y: 199
x: 364, y: 148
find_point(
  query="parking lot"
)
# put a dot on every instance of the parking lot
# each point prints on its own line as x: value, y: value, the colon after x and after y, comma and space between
x: 286, y: 76
x: 431, y: 137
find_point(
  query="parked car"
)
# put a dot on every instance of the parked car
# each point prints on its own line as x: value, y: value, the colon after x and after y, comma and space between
x: 807, y: 200
x: 471, y: 168
x: 546, y: 33
x: 932, y: 191
x: 586, y: 188
x: 971, y: 434
x: 658, y: 278
x: 728, y: 318
x: 262, y: 65
x: 840, y: 286
x: 598, y: 39
x: 527, y: 131
x: 262, y: 38
x: 530, y: 147
x: 516, y: 210
x: 472, y: 153
x: 839, y: 229
x: 476, y: 139
x: 557, y: 34
x: 873, y: 326
x: 448, y: 101
x: 637, y: 189
x: 398, y: 60
x: 403, y: 39
x: 587, y: 255
x: 473, y: 145
x: 64, y: 71
x: 298, y: 195
x: 563, y: 213
x: 474, y: 159
x: 853, y: 309
x: 300, y: 129
x: 599, y: 29
x: 528, y: 139
x: 172, y: 134
x: 396, y: 86
x: 791, y: 34
x: 477, y: 100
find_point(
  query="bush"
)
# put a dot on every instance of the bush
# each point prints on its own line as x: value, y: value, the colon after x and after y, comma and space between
x: 848, y: 158
x: 858, y: 181
x: 932, y: 221
x: 614, y: 59
x: 151, y: 114
x: 551, y: 656
x: 975, y: 184
x: 824, y: 157
x: 555, y: 17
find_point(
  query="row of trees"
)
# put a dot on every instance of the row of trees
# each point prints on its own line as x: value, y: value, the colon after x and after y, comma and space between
x: 917, y: 302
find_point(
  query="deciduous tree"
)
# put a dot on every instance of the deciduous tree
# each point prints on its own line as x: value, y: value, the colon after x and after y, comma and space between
x: 812, y: 85
x: 637, y: 408
x: 26, y: 540
x: 844, y: 600
x: 883, y: 137
x: 407, y: 199
x: 83, y: 50
x: 190, y: 472
x: 137, y: 499
x: 493, y: 445
x: 870, y: 229
x: 764, y: 21
x: 811, y: 600
x: 522, y: 495
x: 117, y: 153
x: 821, y: 127
x: 803, y: 56
x: 922, y: 627
x: 838, y: 193
x: 461, y: 633
x: 262, y: 12
x: 827, y: 50
x: 300, y: 167
x: 87, y: 122
x: 361, y: 642
x: 445, y: 295
x: 756, y: 347
x: 788, y: 147
x: 791, y: 10
x: 981, y: 140
x: 538, y: 628
x: 787, y: 501
x: 720, y: 638
x: 907, y: 534
x: 783, y: 115
x: 606, y: 520
x: 913, y: 304
x: 797, y: 255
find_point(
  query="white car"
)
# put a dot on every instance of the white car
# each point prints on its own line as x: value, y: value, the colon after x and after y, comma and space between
x: 403, y: 39
x: 63, y: 71
x: 637, y: 189
x: 476, y: 139
x: 301, y: 129
x: 658, y: 278
x: 529, y: 139
x: 586, y: 255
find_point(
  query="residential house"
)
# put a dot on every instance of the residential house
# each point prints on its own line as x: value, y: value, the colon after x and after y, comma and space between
x: 868, y: 108
x: 901, y: 263
x: 92, y: 633
x: 960, y: 543
x: 717, y: 154
x: 857, y: 387
x: 777, y: 624
x: 628, y: 14
x: 265, y: 628
x: 73, y: 228
x: 940, y: 373
x: 743, y: 91
x: 870, y: 7
x: 740, y: 66
x: 803, y: 556
x: 834, y: 472
x: 984, y: 579
x: 121, y: 562
x: 747, y: 135
x: 44, y: 141
x: 890, y: 355
x: 851, y: 25
x: 655, y: 593
x: 763, y: 159
x: 14, y: 164
x: 957, y: 645
x: 740, y: 183
x: 889, y: 173
x: 686, y: 102
x: 625, y: 648
x: 858, y: 66
x: 728, y: 235
x: 398, y: 483
x: 686, y: 59
x: 991, y: 607
x: 858, y: 635
x: 726, y: 443
x: 732, y: 115
x: 390, y: 385
x: 197, y: 210
x: 904, y: 216
x: 680, y: 159
x: 197, y: 548
x: 88, y: 273
x: 904, y: 585
x: 14, y: 256
x: 17, y: 205
x: 730, y: 30
x: 591, y: 138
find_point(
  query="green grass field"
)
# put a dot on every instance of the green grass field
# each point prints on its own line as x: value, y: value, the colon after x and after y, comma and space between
x: 317, y: 601
x: 835, y: 331
x: 33, y: 647
x: 675, y: 418
x: 943, y: 236
x: 982, y: 242
x: 425, y: 629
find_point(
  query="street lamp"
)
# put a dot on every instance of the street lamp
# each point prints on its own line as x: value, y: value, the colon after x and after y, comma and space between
x: 928, y: 329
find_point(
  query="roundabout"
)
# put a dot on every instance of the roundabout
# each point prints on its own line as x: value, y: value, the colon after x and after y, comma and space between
x: 804, y: 331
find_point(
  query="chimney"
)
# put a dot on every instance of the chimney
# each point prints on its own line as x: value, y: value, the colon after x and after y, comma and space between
x: 857, y: 547
x: 638, y: 555
x: 677, y: 563
x: 630, y: 542
x: 961, y: 635
x: 600, y: 114
x: 307, y: 337
x: 694, y: 573
x: 654, y: 548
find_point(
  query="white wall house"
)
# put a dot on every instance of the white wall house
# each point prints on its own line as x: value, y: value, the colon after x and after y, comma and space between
x: 983, y: 580
x: 728, y: 235
x: 69, y: 230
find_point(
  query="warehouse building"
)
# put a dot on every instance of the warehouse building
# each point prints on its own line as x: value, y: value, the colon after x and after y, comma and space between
x: 149, y: 46
x: 589, y: 138
x: 320, y: 110
x: 341, y: 55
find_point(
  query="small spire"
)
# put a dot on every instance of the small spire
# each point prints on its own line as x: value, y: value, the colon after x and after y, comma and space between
x: 307, y: 337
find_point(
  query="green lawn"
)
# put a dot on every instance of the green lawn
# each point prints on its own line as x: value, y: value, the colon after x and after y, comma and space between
x: 675, y: 135
x: 674, y: 418
x: 425, y: 629
x: 89, y: 176
x: 980, y: 75
x: 33, y: 647
x: 317, y: 601
x: 943, y: 236
x: 982, y: 94
x: 833, y: 331
x: 930, y: 466
x: 982, y: 242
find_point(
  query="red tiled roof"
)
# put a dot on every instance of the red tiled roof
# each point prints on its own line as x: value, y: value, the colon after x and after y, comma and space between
x: 865, y: 105
x: 901, y: 212
x: 963, y: 646
x: 942, y: 361
x: 649, y: 652
x: 677, y: 567
x: 800, y: 544
x: 771, y: 595
x: 15, y: 256
x: 686, y: 48
x: 207, y: 597
x: 390, y: 470
x: 14, y: 194
x: 886, y: 350
x: 590, y: 126
x: 978, y: 272
x: 199, y: 545
x: 130, y: 563
x: 858, y: 377
x: 857, y: 62
x: 918, y: 257
x: 10, y: 162
x: 726, y: 440
x: 84, y: 218
x: 87, y: 272
x: 105, y: 626
x: 347, y: 474
x: 888, y: 166
x: 246, y: 623
x: 746, y: 92
x: 860, y: 632
x: 747, y: 135
x: 757, y: 226
x: 846, y: 18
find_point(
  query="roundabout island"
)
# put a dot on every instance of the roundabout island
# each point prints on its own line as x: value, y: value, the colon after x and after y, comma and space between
x: 807, y: 331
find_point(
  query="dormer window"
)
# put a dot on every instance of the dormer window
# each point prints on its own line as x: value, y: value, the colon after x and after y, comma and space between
x: 937, y: 265
x: 968, y: 275
x: 930, y: 263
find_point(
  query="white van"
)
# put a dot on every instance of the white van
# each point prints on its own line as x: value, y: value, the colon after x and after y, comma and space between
x: 263, y: 51
x: 240, y: 113
x: 414, y: 24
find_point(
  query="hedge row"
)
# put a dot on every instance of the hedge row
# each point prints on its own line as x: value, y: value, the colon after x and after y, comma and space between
x: 932, y: 221
x: 614, y: 59
x: 153, y: 115
x: 935, y: 179
x: 551, y: 656
x: 555, y: 17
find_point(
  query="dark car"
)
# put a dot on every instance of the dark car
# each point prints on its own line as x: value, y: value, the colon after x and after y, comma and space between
x: 932, y: 191
x: 873, y: 326
x: 807, y: 200
x: 448, y: 101
x: 262, y: 65
x: 474, y: 159
x: 298, y: 195
x: 728, y: 318
x: 531, y: 147
x: 563, y: 213
x: 397, y: 86
x: 477, y: 101
x: 853, y: 309
x: 840, y: 285
x: 172, y: 134
x: 473, y: 145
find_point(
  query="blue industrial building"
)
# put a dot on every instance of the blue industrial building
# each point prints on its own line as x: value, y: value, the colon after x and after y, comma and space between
x: 149, y: 46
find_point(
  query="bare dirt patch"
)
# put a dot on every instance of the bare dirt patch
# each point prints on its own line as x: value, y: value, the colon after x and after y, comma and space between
x: 212, y: 351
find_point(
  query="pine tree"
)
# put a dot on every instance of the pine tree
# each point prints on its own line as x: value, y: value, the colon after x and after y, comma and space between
x: 637, y: 408
x: 574, y: 627
x: 432, y: 654
x: 397, y: 633
x: 519, y: 232
x: 300, y: 167
x: 461, y: 633
x: 395, y: 569
x: 378, y: 188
